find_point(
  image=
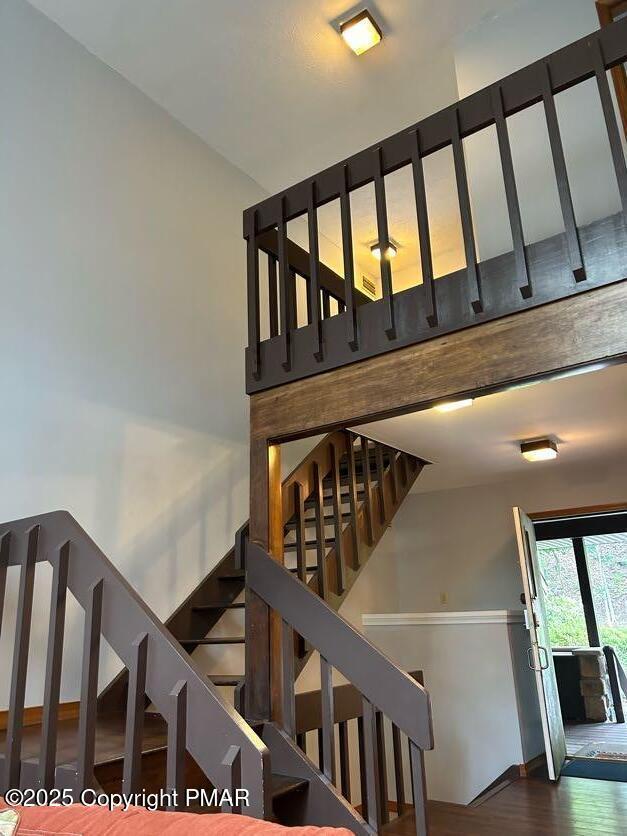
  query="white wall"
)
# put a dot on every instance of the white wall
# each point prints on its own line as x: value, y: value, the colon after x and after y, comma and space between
x: 123, y: 320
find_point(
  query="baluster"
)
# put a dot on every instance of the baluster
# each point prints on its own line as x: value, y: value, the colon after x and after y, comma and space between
x: 293, y: 301
x: 511, y: 194
x: 378, y: 449
x: 326, y: 304
x: 345, y: 770
x: 56, y: 628
x: 393, y: 485
x: 422, y: 213
x: 363, y: 788
x: 320, y: 748
x: 337, y: 521
x: 384, y: 244
x: 13, y: 746
x: 177, y: 737
x: 241, y: 539
x: 253, y: 293
x: 301, y: 741
x: 613, y: 133
x: 89, y: 687
x: 232, y: 763
x: 5, y: 547
x: 399, y: 781
x: 461, y: 177
x: 273, y: 298
x: 323, y: 582
x: 288, y: 698
x: 365, y: 456
x: 352, y: 499
x: 301, y: 547
x: 382, y: 769
x: 402, y: 464
x: 284, y: 292
x: 419, y: 790
x: 373, y: 778
x: 341, y: 305
x: 328, y: 722
x: 313, y: 288
x: 561, y: 174
x: 135, y: 708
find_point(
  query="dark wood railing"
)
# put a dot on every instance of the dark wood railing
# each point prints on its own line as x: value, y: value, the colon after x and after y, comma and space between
x: 533, y: 274
x: 348, y: 708
x: 198, y: 720
x: 385, y: 689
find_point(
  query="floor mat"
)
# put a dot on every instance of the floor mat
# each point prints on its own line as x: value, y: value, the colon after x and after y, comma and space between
x: 605, y: 751
x: 602, y: 770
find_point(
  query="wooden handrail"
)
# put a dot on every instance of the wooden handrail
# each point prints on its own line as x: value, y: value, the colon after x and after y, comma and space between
x: 198, y: 718
x: 529, y: 275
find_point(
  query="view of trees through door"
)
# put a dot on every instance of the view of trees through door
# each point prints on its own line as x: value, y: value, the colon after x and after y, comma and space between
x: 606, y: 557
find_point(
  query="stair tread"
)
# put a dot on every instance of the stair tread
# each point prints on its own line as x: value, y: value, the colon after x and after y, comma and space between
x: 285, y: 784
x: 234, y: 575
x: 219, y: 605
x: 215, y: 640
x: 329, y: 519
x: 307, y: 568
x: 309, y: 544
x: 226, y: 678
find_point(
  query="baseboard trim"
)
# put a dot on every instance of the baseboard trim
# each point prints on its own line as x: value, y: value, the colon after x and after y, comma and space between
x: 33, y: 715
x: 528, y: 768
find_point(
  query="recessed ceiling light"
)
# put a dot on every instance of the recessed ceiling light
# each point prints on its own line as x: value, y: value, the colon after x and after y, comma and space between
x: 391, y: 251
x: 539, y: 451
x: 451, y: 406
x: 361, y: 32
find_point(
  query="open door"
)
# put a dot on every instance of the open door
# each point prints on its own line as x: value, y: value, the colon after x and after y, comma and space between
x: 539, y: 653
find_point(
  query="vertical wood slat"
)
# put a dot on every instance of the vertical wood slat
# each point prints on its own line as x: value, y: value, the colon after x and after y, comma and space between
x: 352, y: 499
x: 365, y: 456
x: 273, y: 296
x: 328, y: 722
x: 299, y: 513
x: 561, y: 174
x: 384, y: 243
x: 323, y: 582
x: 337, y: 520
x: 402, y: 466
x: 341, y: 305
x: 52, y: 687
x: 373, y: 778
x: 511, y: 194
x: 344, y: 750
x: 424, y: 237
x: 393, y: 482
x: 232, y: 764
x: 89, y: 686
x: 313, y: 286
x: 292, y: 300
x: 613, y: 132
x: 349, y: 263
x: 399, y: 781
x: 378, y: 449
x: 301, y: 742
x: 253, y: 294
x: 363, y: 787
x: 288, y: 700
x: 135, y: 708
x: 419, y: 790
x: 5, y: 547
x: 383, y: 778
x: 320, y: 748
x: 463, y: 194
x: 13, y: 746
x: 284, y: 292
x: 177, y: 739
x: 326, y: 304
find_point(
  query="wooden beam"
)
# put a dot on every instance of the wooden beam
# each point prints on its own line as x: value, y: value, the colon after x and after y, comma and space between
x: 582, y: 329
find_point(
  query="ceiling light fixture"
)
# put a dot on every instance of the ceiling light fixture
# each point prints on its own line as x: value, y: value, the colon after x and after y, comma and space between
x: 391, y: 251
x: 539, y: 451
x: 451, y: 406
x: 361, y: 32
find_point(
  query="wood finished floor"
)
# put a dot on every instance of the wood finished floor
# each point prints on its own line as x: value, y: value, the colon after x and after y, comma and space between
x: 586, y: 733
x: 533, y: 807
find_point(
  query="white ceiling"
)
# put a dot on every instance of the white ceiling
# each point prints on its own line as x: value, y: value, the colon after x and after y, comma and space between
x: 586, y: 414
x: 269, y: 83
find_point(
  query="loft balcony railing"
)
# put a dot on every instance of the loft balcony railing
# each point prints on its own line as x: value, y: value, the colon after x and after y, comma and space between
x: 343, y: 325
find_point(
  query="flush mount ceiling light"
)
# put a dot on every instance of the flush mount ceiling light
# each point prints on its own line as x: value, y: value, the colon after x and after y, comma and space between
x: 391, y: 251
x: 361, y: 32
x: 539, y: 451
x: 451, y: 406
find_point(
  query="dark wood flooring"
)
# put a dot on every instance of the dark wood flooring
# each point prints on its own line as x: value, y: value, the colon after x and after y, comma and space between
x: 585, y: 733
x: 533, y: 807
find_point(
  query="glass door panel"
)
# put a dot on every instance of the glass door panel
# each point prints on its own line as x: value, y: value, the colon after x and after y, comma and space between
x: 562, y: 596
x: 606, y: 556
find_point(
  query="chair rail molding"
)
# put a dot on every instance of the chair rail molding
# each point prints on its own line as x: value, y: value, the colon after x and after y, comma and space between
x: 418, y: 619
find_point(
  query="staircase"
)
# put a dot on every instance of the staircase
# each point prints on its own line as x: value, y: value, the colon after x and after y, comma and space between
x: 148, y: 729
